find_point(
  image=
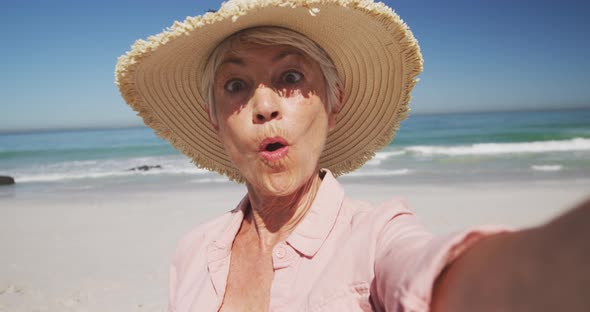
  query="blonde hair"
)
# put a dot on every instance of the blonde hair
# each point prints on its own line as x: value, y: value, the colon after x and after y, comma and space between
x: 267, y: 36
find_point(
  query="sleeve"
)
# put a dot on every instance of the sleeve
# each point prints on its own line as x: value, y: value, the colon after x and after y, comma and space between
x: 409, y: 259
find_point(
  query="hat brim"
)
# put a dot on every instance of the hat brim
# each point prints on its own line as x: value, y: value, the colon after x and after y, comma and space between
x: 374, y: 52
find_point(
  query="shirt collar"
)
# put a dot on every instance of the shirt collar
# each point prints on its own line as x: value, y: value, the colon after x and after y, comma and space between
x: 226, y: 239
x: 310, y: 234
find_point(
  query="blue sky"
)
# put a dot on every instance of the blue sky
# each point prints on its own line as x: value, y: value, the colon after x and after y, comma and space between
x: 58, y: 57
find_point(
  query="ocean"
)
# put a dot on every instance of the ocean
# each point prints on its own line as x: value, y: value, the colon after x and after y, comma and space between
x: 534, y: 145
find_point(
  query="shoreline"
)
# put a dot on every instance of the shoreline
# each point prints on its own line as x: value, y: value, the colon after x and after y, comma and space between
x: 196, y: 182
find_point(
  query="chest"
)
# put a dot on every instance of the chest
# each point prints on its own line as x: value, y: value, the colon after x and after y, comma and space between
x: 249, y: 280
x: 336, y: 279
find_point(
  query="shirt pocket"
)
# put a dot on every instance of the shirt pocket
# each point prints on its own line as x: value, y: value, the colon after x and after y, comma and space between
x: 354, y: 297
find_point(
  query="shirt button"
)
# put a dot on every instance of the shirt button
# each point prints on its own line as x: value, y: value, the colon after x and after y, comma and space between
x: 280, y: 252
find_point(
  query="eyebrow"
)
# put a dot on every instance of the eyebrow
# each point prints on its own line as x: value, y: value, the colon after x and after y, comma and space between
x: 240, y: 62
x: 284, y: 54
x: 232, y: 60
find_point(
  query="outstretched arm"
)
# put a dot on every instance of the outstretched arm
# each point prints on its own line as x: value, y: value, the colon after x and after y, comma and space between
x: 542, y: 269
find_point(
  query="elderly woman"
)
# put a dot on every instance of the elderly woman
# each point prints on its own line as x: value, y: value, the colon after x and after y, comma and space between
x: 284, y: 96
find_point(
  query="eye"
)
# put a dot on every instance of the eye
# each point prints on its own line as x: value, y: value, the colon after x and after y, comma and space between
x: 292, y: 77
x: 234, y: 85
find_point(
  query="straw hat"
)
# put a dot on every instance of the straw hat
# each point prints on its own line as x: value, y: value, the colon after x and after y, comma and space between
x: 375, y: 54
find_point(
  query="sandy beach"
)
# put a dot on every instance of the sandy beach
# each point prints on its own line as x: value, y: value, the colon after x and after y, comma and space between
x: 108, y: 249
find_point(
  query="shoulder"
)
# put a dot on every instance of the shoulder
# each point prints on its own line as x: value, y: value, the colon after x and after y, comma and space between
x: 363, y: 212
x: 377, y: 222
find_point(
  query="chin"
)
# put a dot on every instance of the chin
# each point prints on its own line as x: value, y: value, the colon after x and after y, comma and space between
x: 281, y: 183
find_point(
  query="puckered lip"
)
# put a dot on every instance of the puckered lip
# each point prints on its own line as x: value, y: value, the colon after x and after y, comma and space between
x: 273, y: 149
x: 272, y: 144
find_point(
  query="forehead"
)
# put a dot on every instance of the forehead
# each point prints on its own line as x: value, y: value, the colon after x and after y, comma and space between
x: 243, y: 54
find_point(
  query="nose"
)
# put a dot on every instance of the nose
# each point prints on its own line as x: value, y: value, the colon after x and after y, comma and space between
x: 266, y: 104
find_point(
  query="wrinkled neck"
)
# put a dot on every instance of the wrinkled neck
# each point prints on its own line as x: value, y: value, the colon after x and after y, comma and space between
x: 273, y: 218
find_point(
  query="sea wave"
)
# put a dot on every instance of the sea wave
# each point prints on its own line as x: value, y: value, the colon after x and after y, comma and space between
x: 386, y: 154
x: 383, y: 155
x: 54, y: 177
x: 546, y: 167
x: 84, y: 153
x: 210, y: 180
x: 380, y: 173
x: 576, y: 144
x: 112, y: 168
x: 62, y: 176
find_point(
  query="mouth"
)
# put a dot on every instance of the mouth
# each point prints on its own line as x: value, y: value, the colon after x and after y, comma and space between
x: 272, y: 149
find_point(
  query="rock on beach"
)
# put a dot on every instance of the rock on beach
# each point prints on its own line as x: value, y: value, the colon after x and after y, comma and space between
x: 6, y: 180
x: 145, y: 168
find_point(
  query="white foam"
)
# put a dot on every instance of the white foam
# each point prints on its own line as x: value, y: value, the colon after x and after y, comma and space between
x: 210, y: 180
x: 382, y: 155
x: 547, y: 167
x: 386, y: 154
x: 577, y: 144
x: 53, y: 177
x: 380, y: 173
x: 93, y: 169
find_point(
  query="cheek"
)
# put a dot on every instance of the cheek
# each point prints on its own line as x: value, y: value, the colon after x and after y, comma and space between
x: 233, y: 136
x: 313, y: 123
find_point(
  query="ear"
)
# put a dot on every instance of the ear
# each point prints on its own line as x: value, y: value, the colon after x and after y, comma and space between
x: 212, y: 119
x: 335, y: 109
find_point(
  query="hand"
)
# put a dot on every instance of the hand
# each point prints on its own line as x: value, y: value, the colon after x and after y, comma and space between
x: 542, y: 269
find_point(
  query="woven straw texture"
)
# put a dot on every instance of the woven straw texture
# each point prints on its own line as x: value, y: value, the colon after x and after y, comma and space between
x: 375, y: 54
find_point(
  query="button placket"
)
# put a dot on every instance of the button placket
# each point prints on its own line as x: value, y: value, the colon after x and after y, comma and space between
x: 281, y: 256
x: 285, y: 264
x: 280, y: 252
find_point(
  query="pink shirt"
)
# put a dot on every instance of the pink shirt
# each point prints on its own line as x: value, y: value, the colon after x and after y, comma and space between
x: 345, y: 255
